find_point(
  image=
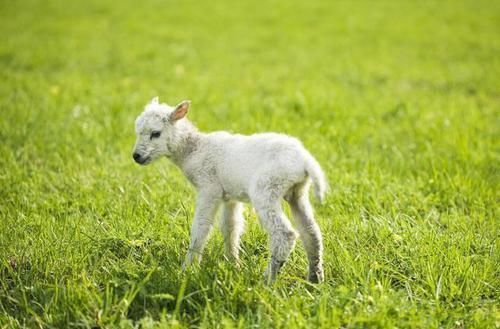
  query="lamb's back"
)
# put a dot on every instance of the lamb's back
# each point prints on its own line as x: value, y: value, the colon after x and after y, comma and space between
x: 243, y: 154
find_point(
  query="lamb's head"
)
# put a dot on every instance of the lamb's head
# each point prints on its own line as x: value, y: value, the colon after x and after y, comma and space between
x: 157, y: 130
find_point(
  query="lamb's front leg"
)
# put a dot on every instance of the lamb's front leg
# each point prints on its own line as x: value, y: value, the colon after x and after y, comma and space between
x: 206, y: 208
x: 231, y: 226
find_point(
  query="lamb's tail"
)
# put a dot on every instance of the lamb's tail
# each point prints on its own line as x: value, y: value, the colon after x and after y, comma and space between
x: 318, y: 177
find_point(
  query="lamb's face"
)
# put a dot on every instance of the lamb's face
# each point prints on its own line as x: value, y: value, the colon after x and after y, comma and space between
x: 152, y: 137
x: 156, y: 131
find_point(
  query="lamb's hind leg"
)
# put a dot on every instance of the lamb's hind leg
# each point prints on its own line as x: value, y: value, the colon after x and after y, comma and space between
x: 232, y: 226
x: 282, y: 236
x: 310, y: 233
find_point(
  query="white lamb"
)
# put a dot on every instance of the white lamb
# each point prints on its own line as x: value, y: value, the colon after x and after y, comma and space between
x: 228, y: 169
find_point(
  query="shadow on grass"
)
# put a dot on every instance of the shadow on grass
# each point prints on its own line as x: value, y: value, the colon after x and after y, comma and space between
x: 142, y: 277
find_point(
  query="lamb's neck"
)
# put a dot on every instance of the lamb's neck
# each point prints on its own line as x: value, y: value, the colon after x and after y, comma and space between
x: 188, y: 142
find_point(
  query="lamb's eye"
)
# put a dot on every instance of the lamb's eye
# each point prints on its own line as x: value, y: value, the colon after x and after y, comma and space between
x: 155, y: 134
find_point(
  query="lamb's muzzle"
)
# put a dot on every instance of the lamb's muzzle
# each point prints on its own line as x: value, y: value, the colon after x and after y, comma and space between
x: 139, y: 159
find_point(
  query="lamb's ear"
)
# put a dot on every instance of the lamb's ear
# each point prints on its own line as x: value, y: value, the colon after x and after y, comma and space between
x: 180, y: 111
x: 154, y: 100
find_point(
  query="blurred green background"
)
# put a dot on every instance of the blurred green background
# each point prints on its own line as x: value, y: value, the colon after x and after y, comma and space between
x: 398, y: 100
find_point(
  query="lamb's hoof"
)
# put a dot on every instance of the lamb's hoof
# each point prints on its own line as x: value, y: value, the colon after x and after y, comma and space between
x: 272, y: 270
x: 316, y: 275
x: 269, y: 278
x: 233, y: 259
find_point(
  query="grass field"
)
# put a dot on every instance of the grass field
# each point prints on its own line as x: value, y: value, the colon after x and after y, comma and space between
x: 398, y: 100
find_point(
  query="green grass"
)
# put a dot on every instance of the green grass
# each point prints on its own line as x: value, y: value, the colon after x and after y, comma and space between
x: 398, y: 100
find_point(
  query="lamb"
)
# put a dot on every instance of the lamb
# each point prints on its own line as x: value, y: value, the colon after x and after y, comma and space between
x: 228, y: 169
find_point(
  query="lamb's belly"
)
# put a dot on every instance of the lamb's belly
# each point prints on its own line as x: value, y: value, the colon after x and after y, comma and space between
x: 242, y: 197
x: 236, y: 195
x: 235, y: 180
x: 235, y: 190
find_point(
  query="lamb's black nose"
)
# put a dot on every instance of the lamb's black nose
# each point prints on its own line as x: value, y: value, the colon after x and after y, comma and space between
x: 137, y: 157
